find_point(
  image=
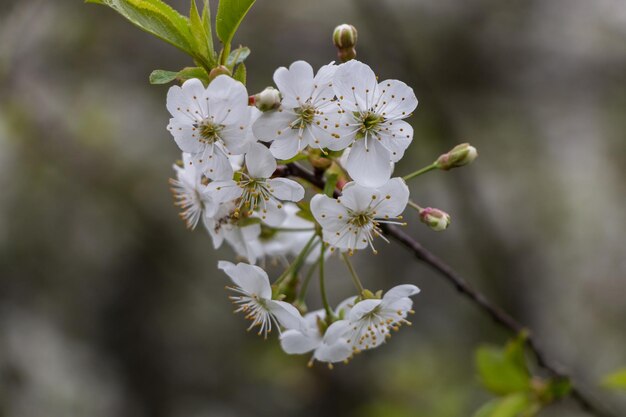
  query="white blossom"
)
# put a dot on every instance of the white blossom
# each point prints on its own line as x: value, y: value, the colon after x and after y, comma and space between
x: 308, y: 116
x: 351, y: 221
x: 255, y: 190
x: 371, y: 320
x: 329, y: 345
x: 372, y: 123
x: 243, y: 237
x: 254, y: 298
x: 292, y: 236
x: 210, y: 123
x: 191, y: 194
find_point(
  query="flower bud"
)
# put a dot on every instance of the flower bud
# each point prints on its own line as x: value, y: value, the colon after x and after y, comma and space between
x: 436, y: 219
x: 345, y: 36
x: 268, y: 99
x: 219, y: 70
x: 460, y: 155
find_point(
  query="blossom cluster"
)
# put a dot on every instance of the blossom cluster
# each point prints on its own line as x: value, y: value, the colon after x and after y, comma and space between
x: 232, y: 178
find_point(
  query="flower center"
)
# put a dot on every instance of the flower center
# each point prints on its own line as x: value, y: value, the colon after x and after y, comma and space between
x: 370, y: 123
x: 255, y: 193
x: 361, y: 219
x: 306, y: 113
x: 209, y: 132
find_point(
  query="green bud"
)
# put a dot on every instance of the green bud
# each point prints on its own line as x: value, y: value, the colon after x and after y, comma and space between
x: 268, y: 99
x: 345, y: 36
x: 459, y: 156
x: 219, y: 70
x: 436, y: 219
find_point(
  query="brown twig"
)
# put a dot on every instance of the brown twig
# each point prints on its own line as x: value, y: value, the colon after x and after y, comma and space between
x: 498, y: 315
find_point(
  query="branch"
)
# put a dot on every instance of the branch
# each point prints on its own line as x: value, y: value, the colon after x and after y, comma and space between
x: 498, y: 315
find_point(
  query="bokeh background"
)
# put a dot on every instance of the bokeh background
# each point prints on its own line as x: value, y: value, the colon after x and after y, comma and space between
x: 110, y: 307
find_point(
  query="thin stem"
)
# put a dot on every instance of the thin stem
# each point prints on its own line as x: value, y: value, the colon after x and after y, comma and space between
x: 295, y: 265
x: 420, y: 171
x: 329, y: 312
x: 355, y: 277
x: 415, y: 206
x: 307, y: 279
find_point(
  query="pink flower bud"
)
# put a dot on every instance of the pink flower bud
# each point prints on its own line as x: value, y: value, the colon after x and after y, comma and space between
x: 436, y: 219
x: 459, y: 156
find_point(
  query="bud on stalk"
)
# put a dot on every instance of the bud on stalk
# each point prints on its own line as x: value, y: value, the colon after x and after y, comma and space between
x: 436, y: 219
x: 459, y: 156
x: 344, y: 38
x: 268, y: 99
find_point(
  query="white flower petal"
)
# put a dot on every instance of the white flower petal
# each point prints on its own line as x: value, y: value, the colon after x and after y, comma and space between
x: 260, y: 162
x: 184, y: 135
x: 295, y: 84
x: 323, y: 84
x: 328, y: 212
x: 295, y: 342
x: 272, y: 213
x: 394, y: 196
x: 286, y: 189
x: 362, y: 308
x: 287, y: 315
x: 225, y: 190
x: 370, y: 167
x: 355, y: 85
x: 400, y: 291
x: 287, y: 146
x: 249, y: 278
x: 396, y: 100
x: 396, y: 136
x: 272, y: 124
x: 187, y: 101
x: 216, y: 166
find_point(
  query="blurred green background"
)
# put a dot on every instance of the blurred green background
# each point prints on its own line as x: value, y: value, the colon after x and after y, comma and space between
x: 110, y: 307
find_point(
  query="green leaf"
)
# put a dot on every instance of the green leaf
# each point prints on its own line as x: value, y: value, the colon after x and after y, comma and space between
x: 502, y: 371
x: 230, y: 13
x: 155, y: 17
x: 237, y: 56
x: 513, y: 405
x: 164, y: 77
x: 240, y: 74
x: 206, y: 22
x: 615, y: 380
x: 203, y: 44
x: 331, y: 184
